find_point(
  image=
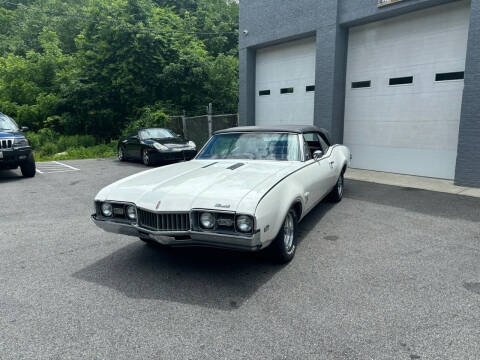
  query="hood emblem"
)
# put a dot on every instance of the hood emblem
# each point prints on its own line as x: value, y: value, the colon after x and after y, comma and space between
x: 222, y: 206
x: 158, y: 205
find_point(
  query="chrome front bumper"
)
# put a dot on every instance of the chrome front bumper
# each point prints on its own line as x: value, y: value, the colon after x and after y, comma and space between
x: 183, y: 238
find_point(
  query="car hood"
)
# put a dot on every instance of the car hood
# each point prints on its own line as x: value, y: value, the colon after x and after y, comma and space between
x: 200, y: 184
x: 171, y: 142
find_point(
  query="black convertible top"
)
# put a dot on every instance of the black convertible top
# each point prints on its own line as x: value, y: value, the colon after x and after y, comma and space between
x: 297, y: 129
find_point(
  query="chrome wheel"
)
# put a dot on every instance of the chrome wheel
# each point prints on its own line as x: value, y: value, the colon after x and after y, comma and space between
x: 340, y: 186
x: 146, y: 157
x: 285, y: 243
x: 288, y: 232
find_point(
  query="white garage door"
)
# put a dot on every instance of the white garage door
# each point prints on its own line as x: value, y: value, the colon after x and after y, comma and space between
x: 404, y: 91
x: 285, y: 83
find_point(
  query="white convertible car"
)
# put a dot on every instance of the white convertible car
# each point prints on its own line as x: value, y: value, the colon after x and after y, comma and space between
x: 247, y: 189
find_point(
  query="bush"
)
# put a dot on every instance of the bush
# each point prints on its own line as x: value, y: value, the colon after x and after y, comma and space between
x: 93, y: 152
x: 47, y: 144
x: 97, y: 151
x: 42, y: 137
x: 66, y: 142
x: 49, y: 149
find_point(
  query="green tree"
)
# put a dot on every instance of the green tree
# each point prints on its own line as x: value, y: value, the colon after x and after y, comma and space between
x: 29, y: 86
x: 97, y: 66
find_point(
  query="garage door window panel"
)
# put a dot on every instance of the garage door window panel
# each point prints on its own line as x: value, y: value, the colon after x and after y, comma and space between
x: 264, y: 93
x: 286, y: 91
x: 367, y: 84
x: 451, y: 76
x: 405, y: 80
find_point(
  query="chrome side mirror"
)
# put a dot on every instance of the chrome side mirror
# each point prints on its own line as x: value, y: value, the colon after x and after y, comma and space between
x: 317, y: 155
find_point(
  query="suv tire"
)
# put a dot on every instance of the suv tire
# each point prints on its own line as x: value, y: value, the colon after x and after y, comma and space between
x: 28, y: 168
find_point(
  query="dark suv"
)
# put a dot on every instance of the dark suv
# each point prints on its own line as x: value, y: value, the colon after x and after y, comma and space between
x: 15, y: 150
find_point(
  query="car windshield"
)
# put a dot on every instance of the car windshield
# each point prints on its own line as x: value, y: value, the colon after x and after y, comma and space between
x: 253, y: 146
x: 7, y: 124
x: 156, y: 134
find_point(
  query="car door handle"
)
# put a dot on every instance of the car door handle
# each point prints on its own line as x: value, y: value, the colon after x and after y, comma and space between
x: 332, y: 163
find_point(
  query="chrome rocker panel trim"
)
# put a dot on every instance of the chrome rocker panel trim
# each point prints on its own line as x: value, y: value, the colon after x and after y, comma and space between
x: 203, y: 239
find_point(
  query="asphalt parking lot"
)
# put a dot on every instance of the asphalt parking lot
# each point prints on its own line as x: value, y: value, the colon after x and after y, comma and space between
x: 389, y: 273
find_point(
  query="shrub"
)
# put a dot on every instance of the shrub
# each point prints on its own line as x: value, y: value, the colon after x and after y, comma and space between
x: 65, y: 142
x: 49, y: 149
x: 72, y: 153
x: 47, y: 144
x: 41, y: 138
x: 97, y: 151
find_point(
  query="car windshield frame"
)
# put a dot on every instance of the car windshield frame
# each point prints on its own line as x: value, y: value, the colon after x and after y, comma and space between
x: 166, y: 131
x: 5, y: 121
x: 291, y: 151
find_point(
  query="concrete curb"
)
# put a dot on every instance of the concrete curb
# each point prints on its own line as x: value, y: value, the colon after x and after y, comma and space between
x: 410, y: 181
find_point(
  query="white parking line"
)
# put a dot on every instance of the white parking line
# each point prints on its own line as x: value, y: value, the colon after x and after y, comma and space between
x: 71, y: 167
x: 54, y: 167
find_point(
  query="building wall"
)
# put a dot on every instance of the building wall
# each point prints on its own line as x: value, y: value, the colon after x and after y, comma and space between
x: 468, y: 160
x: 269, y: 22
x: 363, y: 11
x: 274, y: 21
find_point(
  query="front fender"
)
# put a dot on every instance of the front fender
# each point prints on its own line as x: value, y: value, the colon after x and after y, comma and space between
x: 274, y: 206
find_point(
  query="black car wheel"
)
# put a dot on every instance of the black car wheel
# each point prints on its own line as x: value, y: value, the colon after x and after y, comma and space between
x: 336, y: 194
x: 146, y: 158
x: 285, y: 244
x: 28, y: 168
x: 121, y: 154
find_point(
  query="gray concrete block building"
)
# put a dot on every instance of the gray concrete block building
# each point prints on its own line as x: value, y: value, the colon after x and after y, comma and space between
x: 398, y: 81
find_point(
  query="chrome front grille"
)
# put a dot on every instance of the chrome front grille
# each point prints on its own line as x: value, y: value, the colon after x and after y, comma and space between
x: 6, y: 143
x: 163, y: 222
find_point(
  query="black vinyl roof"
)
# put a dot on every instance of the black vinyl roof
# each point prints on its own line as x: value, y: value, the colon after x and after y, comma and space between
x: 297, y: 129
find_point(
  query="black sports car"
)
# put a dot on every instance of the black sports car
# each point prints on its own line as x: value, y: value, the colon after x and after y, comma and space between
x: 156, y: 145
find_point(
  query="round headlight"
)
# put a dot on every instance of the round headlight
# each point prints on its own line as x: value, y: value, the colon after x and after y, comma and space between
x: 244, y: 223
x: 207, y: 220
x: 132, y: 212
x: 107, y: 209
